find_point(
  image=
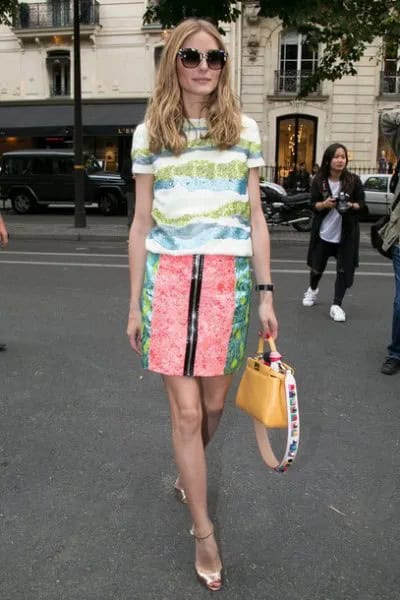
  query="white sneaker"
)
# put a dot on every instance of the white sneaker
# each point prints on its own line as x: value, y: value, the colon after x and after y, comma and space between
x: 310, y: 297
x: 337, y: 313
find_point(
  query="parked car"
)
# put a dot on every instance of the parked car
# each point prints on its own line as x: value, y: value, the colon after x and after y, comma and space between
x: 378, y: 196
x: 32, y: 178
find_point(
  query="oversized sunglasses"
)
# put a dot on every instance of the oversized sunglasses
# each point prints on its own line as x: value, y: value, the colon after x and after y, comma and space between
x: 191, y: 58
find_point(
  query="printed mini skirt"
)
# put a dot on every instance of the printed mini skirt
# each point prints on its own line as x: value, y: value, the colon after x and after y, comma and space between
x: 195, y: 314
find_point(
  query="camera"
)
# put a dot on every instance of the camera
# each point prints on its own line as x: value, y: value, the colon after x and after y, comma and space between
x: 342, y: 202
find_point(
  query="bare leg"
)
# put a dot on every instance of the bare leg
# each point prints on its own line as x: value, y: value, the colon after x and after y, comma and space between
x: 214, y: 390
x: 185, y: 397
x: 213, y: 394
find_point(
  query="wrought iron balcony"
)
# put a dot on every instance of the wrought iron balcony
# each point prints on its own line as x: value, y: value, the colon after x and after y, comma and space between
x: 288, y: 83
x: 390, y: 84
x: 57, y: 14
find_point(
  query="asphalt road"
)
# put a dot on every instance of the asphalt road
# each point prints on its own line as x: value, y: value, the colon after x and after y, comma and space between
x: 86, y: 504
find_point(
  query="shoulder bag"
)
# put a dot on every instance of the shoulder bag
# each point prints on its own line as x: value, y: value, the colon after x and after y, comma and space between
x: 376, y: 232
x: 267, y: 392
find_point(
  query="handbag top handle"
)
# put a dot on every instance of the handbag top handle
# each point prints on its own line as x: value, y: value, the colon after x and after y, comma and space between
x: 270, y: 341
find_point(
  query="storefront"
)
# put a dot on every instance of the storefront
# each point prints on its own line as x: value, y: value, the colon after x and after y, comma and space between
x: 295, y: 143
x: 107, y: 127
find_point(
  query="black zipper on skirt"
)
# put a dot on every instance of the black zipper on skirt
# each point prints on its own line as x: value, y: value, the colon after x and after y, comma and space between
x: 193, y: 320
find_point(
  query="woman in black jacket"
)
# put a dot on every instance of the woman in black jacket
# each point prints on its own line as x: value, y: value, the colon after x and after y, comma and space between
x: 337, y: 197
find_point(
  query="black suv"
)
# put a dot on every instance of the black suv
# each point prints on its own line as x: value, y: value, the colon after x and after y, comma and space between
x: 32, y: 178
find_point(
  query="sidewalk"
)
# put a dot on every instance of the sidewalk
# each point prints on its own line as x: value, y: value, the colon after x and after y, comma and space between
x: 59, y: 225
x: 63, y: 231
x: 99, y: 228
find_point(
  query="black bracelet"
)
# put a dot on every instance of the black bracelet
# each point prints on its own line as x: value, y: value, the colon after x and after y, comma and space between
x: 264, y: 287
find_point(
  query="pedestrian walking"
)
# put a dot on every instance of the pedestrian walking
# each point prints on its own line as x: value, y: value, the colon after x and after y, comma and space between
x: 3, y: 243
x: 337, y: 197
x: 197, y: 224
x: 390, y: 125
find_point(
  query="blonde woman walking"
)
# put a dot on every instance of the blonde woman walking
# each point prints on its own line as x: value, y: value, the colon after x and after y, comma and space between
x: 197, y: 224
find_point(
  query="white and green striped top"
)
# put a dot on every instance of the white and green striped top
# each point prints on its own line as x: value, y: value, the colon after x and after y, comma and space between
x: 201, y: 203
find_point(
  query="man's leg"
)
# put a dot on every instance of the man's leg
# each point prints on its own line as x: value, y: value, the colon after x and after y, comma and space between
x: 392, y: 362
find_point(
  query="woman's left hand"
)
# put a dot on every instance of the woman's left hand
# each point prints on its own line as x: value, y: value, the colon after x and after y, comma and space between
x: 269, y: 323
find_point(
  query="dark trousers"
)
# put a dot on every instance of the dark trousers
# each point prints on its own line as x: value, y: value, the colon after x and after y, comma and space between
x: 321, y: 253
x: 394, y: 348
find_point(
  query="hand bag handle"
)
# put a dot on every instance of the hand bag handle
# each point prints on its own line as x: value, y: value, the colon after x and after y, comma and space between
x: 293, y: 430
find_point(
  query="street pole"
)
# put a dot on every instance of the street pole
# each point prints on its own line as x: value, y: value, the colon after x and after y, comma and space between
x: 79, y: 169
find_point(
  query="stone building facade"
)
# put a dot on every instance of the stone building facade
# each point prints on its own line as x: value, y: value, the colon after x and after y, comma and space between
x: 118, y: 62
x: 347, y: 111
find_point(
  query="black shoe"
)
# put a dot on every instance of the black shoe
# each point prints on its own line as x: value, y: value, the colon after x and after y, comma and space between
x: 390, y: 366
x: 3, y: 347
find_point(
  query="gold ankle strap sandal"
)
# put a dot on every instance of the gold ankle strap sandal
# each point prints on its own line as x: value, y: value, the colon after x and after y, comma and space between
x: 212, y: 581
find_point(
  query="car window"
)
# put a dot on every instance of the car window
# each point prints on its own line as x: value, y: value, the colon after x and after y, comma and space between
x: 91, y: 164
x: 64, y: 165
x: 18, y: 165
x: 376, y: 184
x: 42, y: 165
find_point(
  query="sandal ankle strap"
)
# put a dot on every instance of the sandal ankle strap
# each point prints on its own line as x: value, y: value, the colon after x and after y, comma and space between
x: 204, y: 537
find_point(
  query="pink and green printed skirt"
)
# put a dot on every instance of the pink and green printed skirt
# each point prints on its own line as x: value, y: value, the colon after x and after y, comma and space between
x: 195, y: 314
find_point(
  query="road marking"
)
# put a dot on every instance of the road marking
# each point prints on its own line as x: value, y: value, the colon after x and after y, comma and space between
x: 125, y: 266
x: 358, y: 273
x: 20, y: 252
x: 387, y: 263
x: 62, y: 264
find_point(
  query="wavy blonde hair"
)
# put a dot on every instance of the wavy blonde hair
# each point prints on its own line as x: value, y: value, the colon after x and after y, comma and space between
x: 165, y: 114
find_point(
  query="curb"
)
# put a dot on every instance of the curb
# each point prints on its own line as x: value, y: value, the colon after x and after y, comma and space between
x: 122, y: 236
x: 67, y: 236
x: 119, y: 232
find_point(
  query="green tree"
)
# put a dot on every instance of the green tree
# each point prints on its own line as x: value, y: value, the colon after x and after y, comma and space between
x: 170, y: 13
x: 342, y: 28
x: 7, y: 9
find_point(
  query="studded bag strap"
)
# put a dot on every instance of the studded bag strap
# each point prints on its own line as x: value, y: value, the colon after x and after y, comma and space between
x: 293, y: 431
x: 293, y: 428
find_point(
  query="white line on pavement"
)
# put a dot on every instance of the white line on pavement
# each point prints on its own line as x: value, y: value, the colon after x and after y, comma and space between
x: 19, y: 252
x: 125, y: 256
x: 358, y: 273
x: 125, y: 266
x: 63, y: 264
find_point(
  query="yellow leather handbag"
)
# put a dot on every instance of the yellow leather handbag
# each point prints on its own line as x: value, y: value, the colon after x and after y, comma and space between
x: 268, y: 393
x: 262, y: 391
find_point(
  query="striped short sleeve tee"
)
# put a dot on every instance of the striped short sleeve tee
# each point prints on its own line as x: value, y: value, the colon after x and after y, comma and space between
x: 201, y: 203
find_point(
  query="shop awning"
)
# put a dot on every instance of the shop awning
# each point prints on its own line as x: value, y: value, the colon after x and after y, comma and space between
x: 43, y: 119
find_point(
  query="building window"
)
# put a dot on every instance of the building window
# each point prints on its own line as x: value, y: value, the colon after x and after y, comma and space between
x: 297, y: 61
x: 390, y: 83
x: 61, y: 13
x: 59, y: 69
x: 386, y: 158
x: 157, y: 55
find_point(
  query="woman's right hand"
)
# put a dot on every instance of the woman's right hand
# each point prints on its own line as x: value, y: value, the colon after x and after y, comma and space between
x: 134, y: 329
x: 328, y: 203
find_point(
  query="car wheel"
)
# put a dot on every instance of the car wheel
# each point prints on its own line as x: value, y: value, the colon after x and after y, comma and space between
x: 108, y: 204
x: 23, y: 203
x: 304, y: 226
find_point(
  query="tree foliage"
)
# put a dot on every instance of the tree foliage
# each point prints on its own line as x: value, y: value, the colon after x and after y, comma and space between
x: 7, y: 9
x: 170, y: 13
x: 341, y: 28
